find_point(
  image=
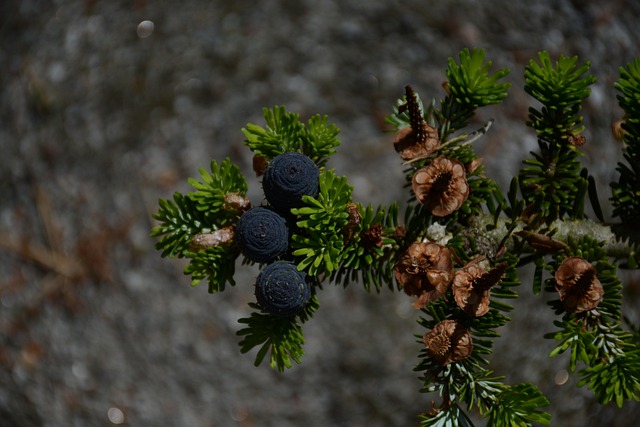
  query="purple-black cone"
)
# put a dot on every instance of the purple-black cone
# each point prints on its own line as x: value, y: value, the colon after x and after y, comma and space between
x: 262, y: 234
x: 281, y: 289
x: 288, y: 177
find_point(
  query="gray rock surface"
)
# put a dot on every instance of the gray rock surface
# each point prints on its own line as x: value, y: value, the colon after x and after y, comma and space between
x: 106, y: 106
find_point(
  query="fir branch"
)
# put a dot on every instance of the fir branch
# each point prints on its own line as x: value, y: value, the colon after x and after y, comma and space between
x: 449, y: 415
x: 558, y: 86
x: 595, y: 337
x: 551, y: 182
x: 216, y: 265
x: 180, y: 220
x: 517, y: 405
x: 281, y: 337
x: 212, y: 194
x: 467, y: 381
x: 616, y: 380
x: 284, y: 132
x: 470, y: 83
x: 573, y: 336
x: 624, y: 192
x: 321, y: 139
x: 369, y: 255
x: 470, y: 87
x: 321, y: 221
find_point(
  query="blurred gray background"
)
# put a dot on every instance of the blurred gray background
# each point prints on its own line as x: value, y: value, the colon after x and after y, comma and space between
x: 106, y: 106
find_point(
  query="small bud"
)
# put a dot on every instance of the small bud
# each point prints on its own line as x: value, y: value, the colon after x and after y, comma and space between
x: 218, y: 237
x: 262, y: 234
x: 352, y: 222
x: 399, y: 232
x: 260, y: 164
x: 576, y: 140
x: 425, y: 271
x: 235, y: 202
x: 281, y: 289
x: 617, y: 131
x: 578, y: 285
x: 441, y: 186
x: 372, y: 238
x: 448, y: 342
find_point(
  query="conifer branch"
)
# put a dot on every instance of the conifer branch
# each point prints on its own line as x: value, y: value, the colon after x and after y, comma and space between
x: 456, y: 250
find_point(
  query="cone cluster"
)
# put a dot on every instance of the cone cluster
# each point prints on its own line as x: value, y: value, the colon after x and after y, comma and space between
x: 263, y: 233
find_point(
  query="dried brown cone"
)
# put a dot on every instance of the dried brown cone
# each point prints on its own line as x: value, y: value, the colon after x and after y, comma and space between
x: 448, y: 342
x: 578, y: 286
x: 411, y: 143
x: 441, y: 186
x: 419, y: 139
x: 425, y: 271
x: 472, y: 285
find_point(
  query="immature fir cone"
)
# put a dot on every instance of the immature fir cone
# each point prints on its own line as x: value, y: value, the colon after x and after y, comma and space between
x: 287, y: 178
x: 281, y: 289
x: 425, y: 271
x: 472, y: 284
x: 441, y: 186
x: 262, y: 234
x: 448, y: 342
x: 577, y: 284
x: 410, y: 144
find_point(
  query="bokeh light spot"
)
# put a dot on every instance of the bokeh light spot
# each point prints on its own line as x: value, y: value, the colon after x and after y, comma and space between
x: 562, y: 376
x: 145, y: 29
x: 116, y: 416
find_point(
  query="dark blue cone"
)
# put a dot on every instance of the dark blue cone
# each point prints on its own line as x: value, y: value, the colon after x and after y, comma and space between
x: 288, y: 177
x: 281, y: 289
x: 262, y: 234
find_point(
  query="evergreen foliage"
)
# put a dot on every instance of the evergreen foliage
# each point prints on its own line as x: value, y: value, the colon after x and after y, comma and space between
x: 625, y: 191
x: 484, y: 234
x: 285, y: 132
x: 552, y: 184
x: 321, y: 221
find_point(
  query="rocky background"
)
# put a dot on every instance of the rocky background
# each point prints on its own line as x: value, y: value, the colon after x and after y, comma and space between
x: 105, y: 106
